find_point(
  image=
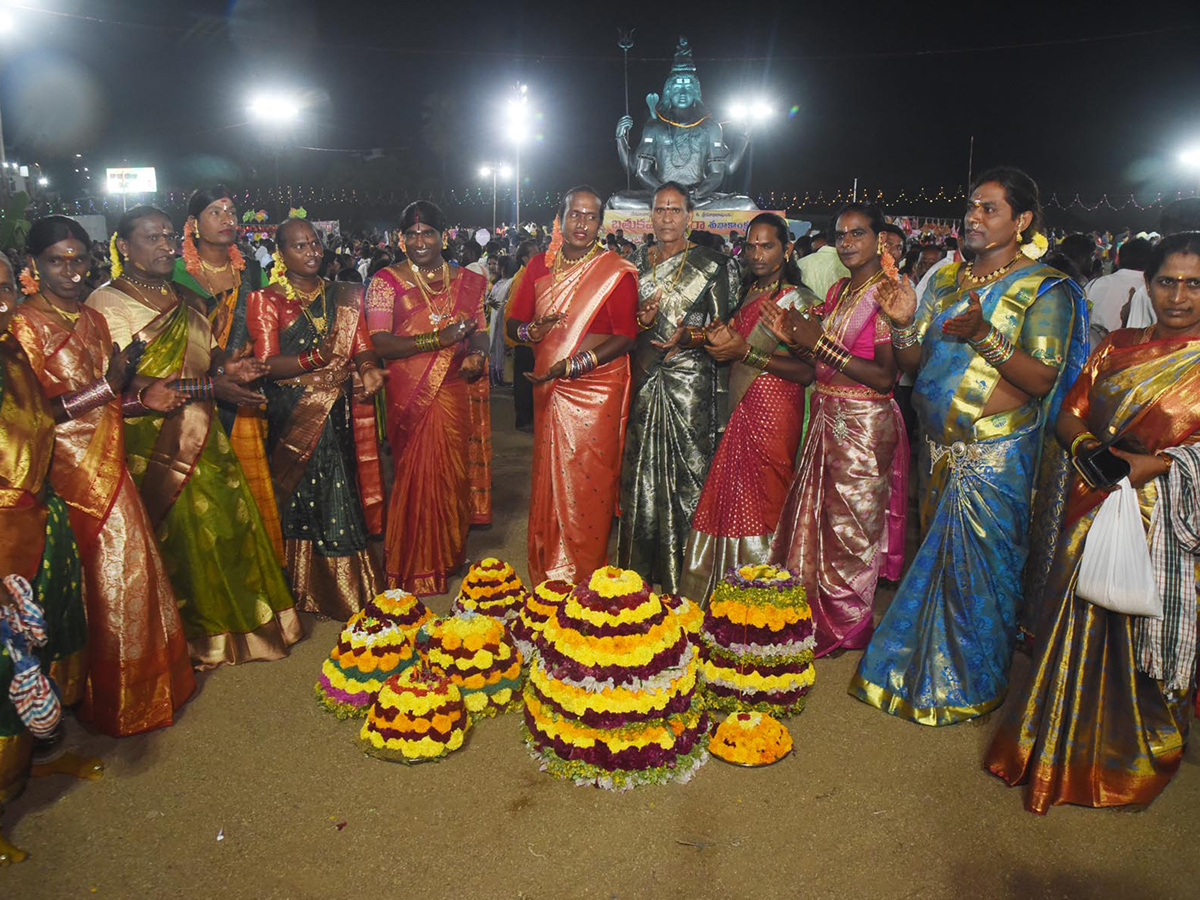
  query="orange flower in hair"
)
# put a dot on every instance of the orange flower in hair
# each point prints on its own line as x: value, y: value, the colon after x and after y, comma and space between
x: 29, y: 281
x: 235, y: 257
x: 556, y: 242
x: 191, y: 258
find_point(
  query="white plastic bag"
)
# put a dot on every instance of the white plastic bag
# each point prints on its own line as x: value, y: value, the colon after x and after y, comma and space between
x: 1115, y: 571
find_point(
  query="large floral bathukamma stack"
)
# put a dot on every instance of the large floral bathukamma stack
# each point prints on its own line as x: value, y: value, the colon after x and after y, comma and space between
x: 491, y: 587
x: 376, y: 644
x: 418, y: 716
x: 611, y: 698
x: 478, y: 656
x: 537, y: 610
x: 757, y: 642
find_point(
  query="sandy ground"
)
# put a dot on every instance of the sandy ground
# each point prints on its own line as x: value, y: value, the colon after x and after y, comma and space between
x: 868, y: 805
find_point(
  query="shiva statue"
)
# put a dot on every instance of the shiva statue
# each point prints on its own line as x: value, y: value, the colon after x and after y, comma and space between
x: 681, y: 142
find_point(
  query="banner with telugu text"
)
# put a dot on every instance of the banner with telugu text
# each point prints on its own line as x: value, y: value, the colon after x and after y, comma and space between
x: 636, y: 222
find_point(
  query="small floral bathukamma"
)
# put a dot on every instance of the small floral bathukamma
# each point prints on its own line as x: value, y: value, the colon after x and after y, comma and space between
x: 493, y: 588
x: 418, y: 716
x: 478, y: 656
x: 750, y: 739
x: 375, y: 644
x: 612, y: 697
x: 537, y: 610
x: 757, y: 642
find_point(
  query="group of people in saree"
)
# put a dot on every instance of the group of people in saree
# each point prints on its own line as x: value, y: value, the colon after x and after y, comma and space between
x: 755, y: 424
x: 190, y: 455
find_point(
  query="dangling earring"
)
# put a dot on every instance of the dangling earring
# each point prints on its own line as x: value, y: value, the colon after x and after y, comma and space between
x: 879, y: 245
x: 1020, y: 240
x: 30, y: 283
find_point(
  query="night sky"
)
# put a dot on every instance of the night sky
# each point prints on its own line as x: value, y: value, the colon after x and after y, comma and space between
x: 887, y: 93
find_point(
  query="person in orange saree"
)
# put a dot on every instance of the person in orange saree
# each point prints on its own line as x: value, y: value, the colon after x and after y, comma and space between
x: 138, y: 667
x: 234, y: 601
x: 426, y: 319
x: 577, y: 306
x: 751, y: 471
x: 213, y: 269
x: 36, y: 544
x: 1103, y: 717
x: 842, y: 525
x: 324, y: 453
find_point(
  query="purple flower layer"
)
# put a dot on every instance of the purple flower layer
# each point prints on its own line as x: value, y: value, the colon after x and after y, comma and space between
x: 791, y: 668
x: 613, y: 605
x: 632, y: 759
x: 593, y: 719
x: 733, y: 577
x: 337, y: 695
x: 777, y: 698
x: 724, y: 632
x: 563, y: 667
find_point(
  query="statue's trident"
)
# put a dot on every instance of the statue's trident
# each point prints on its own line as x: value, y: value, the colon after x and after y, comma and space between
x: 625, y: 42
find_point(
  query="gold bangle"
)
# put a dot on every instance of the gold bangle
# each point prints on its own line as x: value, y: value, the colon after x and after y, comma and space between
x: 1079, y: 439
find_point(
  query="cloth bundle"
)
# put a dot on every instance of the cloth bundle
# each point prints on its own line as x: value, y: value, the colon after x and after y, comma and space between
x: 23, y: 627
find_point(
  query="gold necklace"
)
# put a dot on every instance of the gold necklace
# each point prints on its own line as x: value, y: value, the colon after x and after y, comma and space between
x: 319, y: 323
x: 972, y: 278
x: 209, y: 267
x: 563, y: 266
x: 678, y: 272
x: 161, y: 287
x: 438, y: 313
x: 71, y: 317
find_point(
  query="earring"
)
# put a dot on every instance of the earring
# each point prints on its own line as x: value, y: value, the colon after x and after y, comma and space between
x: 1020, y: 240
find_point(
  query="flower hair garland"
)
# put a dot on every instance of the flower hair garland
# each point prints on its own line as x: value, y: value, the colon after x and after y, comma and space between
x: 30, y: 283
x: 556, y: 242
x: 191, y: 257
x: 279, y: 275
x: 1036, y: 246
x: 115, y: 256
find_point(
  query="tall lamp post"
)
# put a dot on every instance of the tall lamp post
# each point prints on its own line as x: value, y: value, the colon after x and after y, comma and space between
x: 517, y: 118
x: 494, y: 170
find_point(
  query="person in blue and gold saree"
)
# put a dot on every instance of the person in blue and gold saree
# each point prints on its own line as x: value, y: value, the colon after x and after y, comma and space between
x: 994, y: 344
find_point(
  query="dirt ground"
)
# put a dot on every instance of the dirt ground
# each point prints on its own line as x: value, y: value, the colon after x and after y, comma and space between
x: 258, y: 793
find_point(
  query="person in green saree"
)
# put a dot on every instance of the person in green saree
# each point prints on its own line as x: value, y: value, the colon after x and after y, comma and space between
x: 212, y: 268
x: 324, y: 456
x: 678, y: 392
x: 234, y: 601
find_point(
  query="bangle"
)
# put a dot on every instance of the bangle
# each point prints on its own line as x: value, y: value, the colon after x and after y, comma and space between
x: 135, y: 404
x: 427, y: 342
x: 523, y: 334
x: 581, y: 363
x: 1167, y: 458
x: 366, y: 367
x: 756, y: 359
x: 994, y: 347
x: 694, y: 337
x: 1079, y: 439
x: 312, y: 359
x: 195, y: 388
x: 903, y: 338
x: 831, y: 353
x: 95, y: 394
x: 642, y: 327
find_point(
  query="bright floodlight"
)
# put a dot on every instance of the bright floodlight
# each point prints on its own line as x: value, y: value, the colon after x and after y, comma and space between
x: 7, y: 23
x: 43, y: 181
x: 517, y: 120
x: 485, y: 171
x: 1191, y: 157
x: 761, y: 110
x: 737, y: 111
x: 274, y: 107
x: 506, y: 171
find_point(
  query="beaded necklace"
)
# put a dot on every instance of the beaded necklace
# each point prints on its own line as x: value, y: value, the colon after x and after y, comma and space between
x: 439, y: 312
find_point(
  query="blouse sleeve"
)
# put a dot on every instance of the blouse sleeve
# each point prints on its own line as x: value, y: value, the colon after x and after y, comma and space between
x: 262, y: 321
x: 1047, y: 326
x: 622, y: 306
x: 522, y: 304
x: 27, y: 336
x: 380, y: 303
x: 113, y: 310
x: 362, y: 338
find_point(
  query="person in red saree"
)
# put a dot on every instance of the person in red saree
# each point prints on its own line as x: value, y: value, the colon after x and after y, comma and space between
x: 577, y: 306
x: 425, y: 319
x: 324, y: 456
x: 139, y: 672
x: 751, y: 471
x: 1104, y: 715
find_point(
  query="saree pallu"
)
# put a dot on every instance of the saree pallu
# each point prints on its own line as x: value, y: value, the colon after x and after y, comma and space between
x: 438, y: 432
x: 842, y: 524
x: 941, y: 653
x: 319, y: 474
x: 232, y: 596
x: 674, y: 417
x: 245, y: 425
x: 580, y: 430
x: 138, y: 667
x: 751, y: 472
x: 1090, y: 728
x: 36, y: 543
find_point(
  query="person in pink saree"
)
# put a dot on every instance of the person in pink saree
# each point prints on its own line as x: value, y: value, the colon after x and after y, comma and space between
x: 843, y: 521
